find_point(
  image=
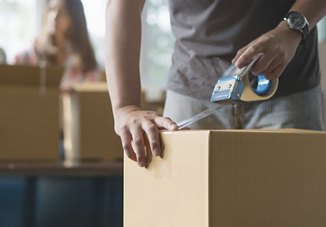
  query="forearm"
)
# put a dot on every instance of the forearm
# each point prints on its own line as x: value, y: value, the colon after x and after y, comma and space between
x: 313, y: 10
x: 123, y: 38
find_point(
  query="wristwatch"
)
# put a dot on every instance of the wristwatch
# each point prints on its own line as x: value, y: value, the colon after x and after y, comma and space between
x: 298, y: 22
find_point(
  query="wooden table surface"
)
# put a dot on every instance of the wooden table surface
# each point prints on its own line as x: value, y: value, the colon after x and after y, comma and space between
x: 107, y: 168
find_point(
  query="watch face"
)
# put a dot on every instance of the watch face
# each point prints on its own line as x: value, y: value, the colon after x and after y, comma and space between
x: 297, y: 21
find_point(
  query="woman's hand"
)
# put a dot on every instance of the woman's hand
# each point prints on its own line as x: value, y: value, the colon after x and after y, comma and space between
x: 138, y: 129
x: 276, y: 47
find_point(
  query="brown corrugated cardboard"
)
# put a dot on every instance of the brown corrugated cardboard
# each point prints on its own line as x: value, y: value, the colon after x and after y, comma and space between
x: 230, y: 178
x: 29, y: 116
x: 88, y: 124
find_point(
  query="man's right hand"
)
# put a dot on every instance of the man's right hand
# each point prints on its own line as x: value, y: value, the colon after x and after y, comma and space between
x: 135, y: 127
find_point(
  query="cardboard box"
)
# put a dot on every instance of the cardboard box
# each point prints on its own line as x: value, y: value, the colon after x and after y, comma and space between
x: 89, y: 126
x: 230, y: 178
x: 29, y: 113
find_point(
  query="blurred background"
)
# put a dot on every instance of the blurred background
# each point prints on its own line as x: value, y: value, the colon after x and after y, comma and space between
x: 20, y: 22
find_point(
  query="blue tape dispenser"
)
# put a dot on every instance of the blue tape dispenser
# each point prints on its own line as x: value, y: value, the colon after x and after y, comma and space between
x: 241, y: 85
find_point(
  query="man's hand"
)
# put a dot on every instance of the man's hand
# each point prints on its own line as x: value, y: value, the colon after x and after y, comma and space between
x: 137, y: 128
x: 277, y: 48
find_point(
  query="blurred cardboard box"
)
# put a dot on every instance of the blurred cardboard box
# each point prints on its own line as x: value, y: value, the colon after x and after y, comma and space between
x: 88, y: 125
x: 29, y: 113
x: 230, y: 178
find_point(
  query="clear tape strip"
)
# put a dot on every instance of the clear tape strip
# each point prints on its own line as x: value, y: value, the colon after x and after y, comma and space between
x: 185, y: 123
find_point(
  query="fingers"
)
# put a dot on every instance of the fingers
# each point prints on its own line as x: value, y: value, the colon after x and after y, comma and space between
x: 239, y: 53
x: 133, y: 138
x: 165, y: 123
x: 139, y: 133
x: 270, y: 64
x: 263, y: 64
x: 244, y: 57
x: 276, y: 72
x: 152, y: 134
x: 133, y: 144
x: 138, y: 145
x: 276, y: 54
x: 151, y: 129
x: 126, y: 144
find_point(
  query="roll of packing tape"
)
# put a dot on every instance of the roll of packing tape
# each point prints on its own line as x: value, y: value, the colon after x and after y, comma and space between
x: 250, y: 94
x: 264, y: 88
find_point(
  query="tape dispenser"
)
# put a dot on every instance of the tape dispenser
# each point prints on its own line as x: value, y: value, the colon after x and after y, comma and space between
x: 241, y: 85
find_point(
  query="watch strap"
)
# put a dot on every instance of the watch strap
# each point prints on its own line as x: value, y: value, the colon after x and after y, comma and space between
x: 304, y: 31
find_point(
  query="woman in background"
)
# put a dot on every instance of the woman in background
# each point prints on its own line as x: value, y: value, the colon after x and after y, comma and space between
x: 3, y: 57
x: 64, y: 41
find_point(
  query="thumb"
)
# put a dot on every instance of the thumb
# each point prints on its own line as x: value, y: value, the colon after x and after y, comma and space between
x: 165, y: 123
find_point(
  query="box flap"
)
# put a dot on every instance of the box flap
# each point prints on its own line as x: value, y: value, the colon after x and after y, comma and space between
x: 24, y: 75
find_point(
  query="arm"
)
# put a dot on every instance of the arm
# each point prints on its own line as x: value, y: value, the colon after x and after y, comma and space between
x: 134, y: 125
x: 279, y: 45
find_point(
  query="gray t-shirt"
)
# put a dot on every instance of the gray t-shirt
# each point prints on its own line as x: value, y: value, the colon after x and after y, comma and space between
x: 209, y: 33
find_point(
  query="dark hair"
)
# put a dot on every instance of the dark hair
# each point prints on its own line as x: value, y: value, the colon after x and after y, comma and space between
x: 78, y: 35
x: 77, y: 38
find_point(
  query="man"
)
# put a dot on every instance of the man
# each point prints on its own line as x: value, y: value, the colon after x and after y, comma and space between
x: 210, y: 34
